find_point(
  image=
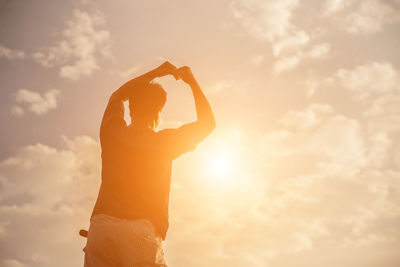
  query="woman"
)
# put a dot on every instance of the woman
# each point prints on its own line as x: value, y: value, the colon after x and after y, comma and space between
x: 130, y: 217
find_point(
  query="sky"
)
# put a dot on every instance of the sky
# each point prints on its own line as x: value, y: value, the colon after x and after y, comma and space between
x: 303, y: 168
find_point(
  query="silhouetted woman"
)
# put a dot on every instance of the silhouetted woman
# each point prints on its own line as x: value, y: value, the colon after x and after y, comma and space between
x: 130, y: 217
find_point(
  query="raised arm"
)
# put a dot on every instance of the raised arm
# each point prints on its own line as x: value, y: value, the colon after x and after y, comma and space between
x: 175, y: 142
x: 205, y: 117
x: 128, y: 89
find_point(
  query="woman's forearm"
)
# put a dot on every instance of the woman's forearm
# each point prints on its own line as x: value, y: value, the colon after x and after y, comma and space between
x: 205, y: 115
x: 128, y: 89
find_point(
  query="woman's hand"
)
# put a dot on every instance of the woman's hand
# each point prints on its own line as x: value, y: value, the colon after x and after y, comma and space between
x: 166, y: 69
x: 185, y: 73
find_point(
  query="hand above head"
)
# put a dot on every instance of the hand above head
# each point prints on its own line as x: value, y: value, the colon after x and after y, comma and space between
x: 166, y: 69
x: 185, y: 73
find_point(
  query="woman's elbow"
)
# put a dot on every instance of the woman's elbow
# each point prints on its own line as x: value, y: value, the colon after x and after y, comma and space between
x: 211, y: 125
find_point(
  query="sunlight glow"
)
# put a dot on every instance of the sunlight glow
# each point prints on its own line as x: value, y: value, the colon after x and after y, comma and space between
x: 223, y: 161
x: 220, y: 166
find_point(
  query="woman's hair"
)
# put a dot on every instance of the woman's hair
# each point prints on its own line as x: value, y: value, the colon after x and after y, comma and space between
x: 147, y: 103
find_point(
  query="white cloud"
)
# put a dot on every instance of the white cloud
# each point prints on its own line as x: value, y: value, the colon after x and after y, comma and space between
x: 340, y: 140
x: 353, y: 192
x: 129, y: 72
x: 293, y: 42
x: 373, y: 89
x: 306, y: 119
x: 35, y: 102
x: 288, y: 204
x: 44, y: 203
x: 379, y: 145
x: 370, y: 79
x: 371, y: 16
x: 376, y: 85
x: 311, y: 87
x: 333, y: 6
x: 11, y: 54
x: 265, y: 20
x: 287, y: 63
x: 271, y: 21
x: 319, y: 51
x: 12, y: 263
x: 364, y: 17
x: 273, y: 205
x: 84, y: 40
x: 17, y: 111
x: 335, y: 142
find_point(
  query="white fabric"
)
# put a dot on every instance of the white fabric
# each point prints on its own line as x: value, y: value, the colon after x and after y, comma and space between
x: 114, y: 242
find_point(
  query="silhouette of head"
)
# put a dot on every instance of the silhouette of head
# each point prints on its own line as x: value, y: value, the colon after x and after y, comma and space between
x: 146, y: 105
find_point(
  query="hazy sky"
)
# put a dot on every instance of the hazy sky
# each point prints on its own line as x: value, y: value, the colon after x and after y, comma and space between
x: 303, y: 169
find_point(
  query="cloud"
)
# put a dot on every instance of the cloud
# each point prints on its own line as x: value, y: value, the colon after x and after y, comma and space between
x: 375, y: 87
x: 274, y: 206
x: 46, y: 196
x: 265, y: 20
x: 294, y: 41
x: 77, y: 54
x: 307, y: 118
x: 12, y: 263
x: 271, y: 21
x: 333, y: 6
x: 319, y: 51
x: 335, y: 142
x: 299, y: 189
x: 373, y: 90
x: 372, y: 86
x: 287, y: 63
x: 11, y: 54
x: 36, y: 103
x: 364, y: 17
x: 371, y: 16
x: 129, y: 72
x: 370, y: 79
x: 379, y: 145
x: 17, y: 111
x: 341, y: 141
x: 336, y: 153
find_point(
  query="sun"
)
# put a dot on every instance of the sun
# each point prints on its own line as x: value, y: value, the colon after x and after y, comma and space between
x: 222, y: 161
x: 220, y: 165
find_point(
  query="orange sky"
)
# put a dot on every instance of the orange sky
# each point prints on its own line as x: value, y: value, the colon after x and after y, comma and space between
x: 302, y: 170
